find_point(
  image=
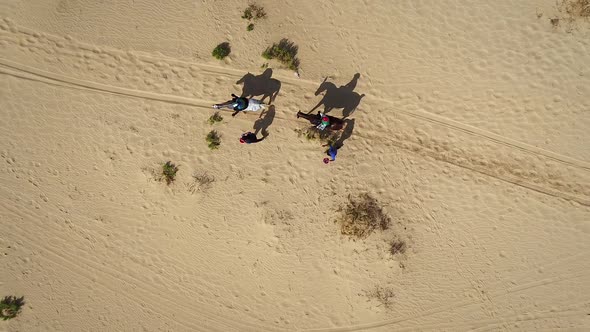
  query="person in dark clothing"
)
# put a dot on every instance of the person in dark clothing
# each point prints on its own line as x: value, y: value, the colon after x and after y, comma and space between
x: 250, y: 138
x: 239, y: 104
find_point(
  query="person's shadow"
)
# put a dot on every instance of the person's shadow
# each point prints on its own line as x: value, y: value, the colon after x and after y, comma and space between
x: 262, y: 85
x: 346, y: 133
x: 339, y: 97
x: 262, y: 124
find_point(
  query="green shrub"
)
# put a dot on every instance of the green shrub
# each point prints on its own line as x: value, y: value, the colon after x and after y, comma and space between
x: 213, y: 139
x: 285, y: 52
x: 216, y: 117
x: 250, y: 27
x: 169, y: 172
x: 221, y: 51
x: 10, y: 307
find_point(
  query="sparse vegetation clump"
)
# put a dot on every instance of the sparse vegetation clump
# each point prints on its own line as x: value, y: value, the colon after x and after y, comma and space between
x: 221, y: 51
x: 383, y: 295
x: 10, y: 307
x: 253, y: 13
x: 313, y: 133
x: 213, y: 139
x: 169, y: 171
x: 397, y: 247
x: 576, y: 8
x: 201, y: 182
x: 285, y: 52
x: 361, y: 216
x: 216, y: 117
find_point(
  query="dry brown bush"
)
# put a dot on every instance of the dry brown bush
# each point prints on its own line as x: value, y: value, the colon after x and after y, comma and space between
x: 361, y: 216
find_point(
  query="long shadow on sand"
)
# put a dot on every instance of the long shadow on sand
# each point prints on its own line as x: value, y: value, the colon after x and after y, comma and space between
x: 260, y: 85
x: 346, y: 133
x: 262, y: 124
x: 339, y: 97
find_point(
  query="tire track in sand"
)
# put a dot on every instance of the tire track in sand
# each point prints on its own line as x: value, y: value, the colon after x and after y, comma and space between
x: 144, y: 72
x: 499, y: 292
x: 546, y: 181
x: 176, y: 96
x: 89, y: 269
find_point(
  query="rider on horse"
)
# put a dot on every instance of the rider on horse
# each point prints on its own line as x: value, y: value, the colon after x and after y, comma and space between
x: 325, y: 121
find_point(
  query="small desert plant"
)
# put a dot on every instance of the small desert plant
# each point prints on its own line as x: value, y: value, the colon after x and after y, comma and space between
x: 221, y: 51
x: 216, y: 117
x: 169, y: 172
x: 10, y: 307
x: 201, y: 182
x: 254, y: 12
x: 382, y: 295
x: 213, y: 139
x: 397, y: 247
x: 361, y: 216
x: 285, y: 52
x: 313, y: 133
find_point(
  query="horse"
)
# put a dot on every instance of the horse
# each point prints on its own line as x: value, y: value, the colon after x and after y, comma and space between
x: 261, y: 85
x: 315, y: 119
x: 342, y: 97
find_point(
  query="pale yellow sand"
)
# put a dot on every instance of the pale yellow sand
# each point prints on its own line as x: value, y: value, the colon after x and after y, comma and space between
x: 473, y: 133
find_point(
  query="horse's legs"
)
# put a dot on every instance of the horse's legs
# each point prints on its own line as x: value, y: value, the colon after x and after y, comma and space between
x: 227, y: 104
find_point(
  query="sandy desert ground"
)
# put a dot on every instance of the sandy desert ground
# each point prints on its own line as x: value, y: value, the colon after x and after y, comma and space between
x: 472, y: 132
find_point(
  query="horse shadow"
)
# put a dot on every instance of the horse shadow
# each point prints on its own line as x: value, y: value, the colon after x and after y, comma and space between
x: 262, y: 124
x: 260, y: 85
x: 346, y: 133
x: 342, y: 97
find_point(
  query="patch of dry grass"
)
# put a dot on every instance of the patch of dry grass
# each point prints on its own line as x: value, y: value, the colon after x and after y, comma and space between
x: 201, y: 182
x: 313, y: 134
x: 383, y: 295
x: 361, y: 216
x: 576, y: 8
x: 397, y: 247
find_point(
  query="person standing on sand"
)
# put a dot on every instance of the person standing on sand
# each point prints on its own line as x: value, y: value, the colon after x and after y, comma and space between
x: 250, y: 138
x: 332, y: 152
